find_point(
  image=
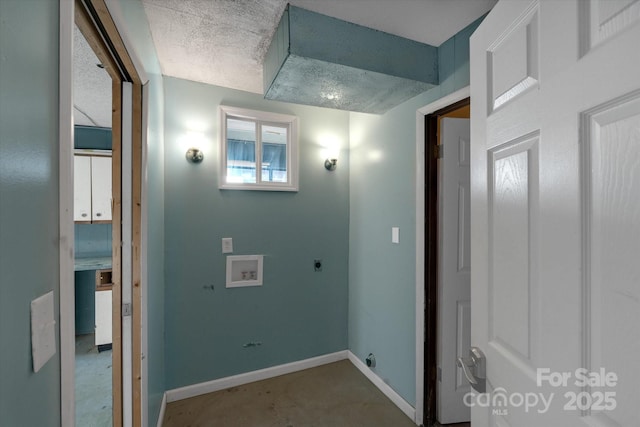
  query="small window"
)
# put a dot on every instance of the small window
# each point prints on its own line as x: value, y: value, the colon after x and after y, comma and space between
x: 259, y: 150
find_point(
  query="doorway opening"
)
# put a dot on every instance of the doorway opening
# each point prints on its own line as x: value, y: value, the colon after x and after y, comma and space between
x: 433, y: 373
x: 112, y: 298
x: 93, y: 284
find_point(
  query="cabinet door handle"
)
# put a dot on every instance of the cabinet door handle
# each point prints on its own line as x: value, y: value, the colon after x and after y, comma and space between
x: 98, y: 214
x: 84, y: 215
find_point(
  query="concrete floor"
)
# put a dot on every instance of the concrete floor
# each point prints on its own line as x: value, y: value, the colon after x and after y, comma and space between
x: 93, y: 383
x: 333, y: 395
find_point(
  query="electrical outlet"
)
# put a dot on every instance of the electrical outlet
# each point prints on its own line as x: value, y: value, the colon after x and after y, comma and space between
x: 317, y: 264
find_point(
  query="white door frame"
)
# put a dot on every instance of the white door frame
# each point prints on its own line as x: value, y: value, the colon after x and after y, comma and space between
x: 67, y: 286
x: 66, y: 223
x: 420, y: 230
x: 127, y: 267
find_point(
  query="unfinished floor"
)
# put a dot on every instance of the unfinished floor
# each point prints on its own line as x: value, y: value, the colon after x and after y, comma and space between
x: 333, y: 395
x: 93, y: 376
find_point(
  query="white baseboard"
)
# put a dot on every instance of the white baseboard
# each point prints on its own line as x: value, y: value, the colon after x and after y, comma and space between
x: 275, y: 371
x: 163, y: 407
x: 385, y: 388
x: 249, y: 377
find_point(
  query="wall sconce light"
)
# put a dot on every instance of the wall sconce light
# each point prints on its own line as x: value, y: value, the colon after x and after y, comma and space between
x: 194, y: 155
x: 331, y: 164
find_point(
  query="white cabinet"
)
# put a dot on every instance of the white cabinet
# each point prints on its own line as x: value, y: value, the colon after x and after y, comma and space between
x: 103, y: 317
x: 92, y: 188
x: 82, y: 188
x: 101, y: 188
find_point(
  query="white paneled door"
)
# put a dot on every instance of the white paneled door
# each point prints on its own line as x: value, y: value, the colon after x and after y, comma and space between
x: 454, y: 294
x: 555, y: 205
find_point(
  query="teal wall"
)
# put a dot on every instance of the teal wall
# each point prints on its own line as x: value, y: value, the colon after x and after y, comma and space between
x: 297, y: 313
x: 382, y: 288
x: 92, y: 240
x: 29, y: 205
x: 85, y: 303
x: 322, y: 37
x: 140, y: 36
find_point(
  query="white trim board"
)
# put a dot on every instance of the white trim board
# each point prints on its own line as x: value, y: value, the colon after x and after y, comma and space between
x: 144, y: 278
x: 445, y: 101
x: 420, y: 212
x: 163, y: 408
x: 66, y: 242
x: 127, y: 252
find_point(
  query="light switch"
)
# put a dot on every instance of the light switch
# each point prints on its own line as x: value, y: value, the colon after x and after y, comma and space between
x: 227, y: 245
x: 43, y: 330
x: 395, y: 234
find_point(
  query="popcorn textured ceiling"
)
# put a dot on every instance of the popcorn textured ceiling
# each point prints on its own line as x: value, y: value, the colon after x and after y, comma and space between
x: 224, y: 42
x: 91, y: 86
x: 217, y: 42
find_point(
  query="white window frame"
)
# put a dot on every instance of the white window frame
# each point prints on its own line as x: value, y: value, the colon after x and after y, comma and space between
x: 261, y: 117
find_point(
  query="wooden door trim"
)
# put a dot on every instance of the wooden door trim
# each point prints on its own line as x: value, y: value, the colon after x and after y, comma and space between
x: 105, y: 21
x: 430, y: 268
x: 97, y: 25
x: 92, y: 35
x: 117, y: 251
x: 136, y: 280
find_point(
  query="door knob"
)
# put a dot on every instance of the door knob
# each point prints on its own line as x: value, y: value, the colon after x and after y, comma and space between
x: 475, y: 369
